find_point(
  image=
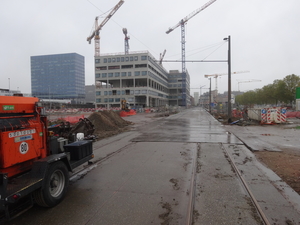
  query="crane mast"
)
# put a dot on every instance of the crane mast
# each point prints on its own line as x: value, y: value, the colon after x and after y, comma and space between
x: 126, y: 43
x: 182, y: 24
x: 96, y: 33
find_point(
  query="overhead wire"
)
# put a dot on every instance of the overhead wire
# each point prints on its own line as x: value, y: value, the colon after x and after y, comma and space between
x: 131, y: 35
x: 214, y: 51
x: 202, y: 49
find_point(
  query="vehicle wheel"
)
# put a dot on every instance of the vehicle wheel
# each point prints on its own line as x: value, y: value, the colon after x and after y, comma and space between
x: 56, y: 185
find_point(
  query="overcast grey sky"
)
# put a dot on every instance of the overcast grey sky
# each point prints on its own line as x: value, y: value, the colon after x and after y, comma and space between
x: 265, y: 36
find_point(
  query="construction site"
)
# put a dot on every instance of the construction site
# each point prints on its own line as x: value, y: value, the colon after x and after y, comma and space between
x: 140, y: 153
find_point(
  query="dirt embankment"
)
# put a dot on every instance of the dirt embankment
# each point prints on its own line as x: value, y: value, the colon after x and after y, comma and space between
x: 285, y: 164
x: 108, y: 123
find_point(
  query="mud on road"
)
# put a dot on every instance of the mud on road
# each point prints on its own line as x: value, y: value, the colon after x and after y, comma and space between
x: 285, y: 163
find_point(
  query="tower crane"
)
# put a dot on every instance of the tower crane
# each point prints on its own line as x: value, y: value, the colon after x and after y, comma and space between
x: 161, y: 57
x: 126, y: 41
x: 182, y: 24
x: 246, y: 81
x: 221, y: 74
x: 95, y: 33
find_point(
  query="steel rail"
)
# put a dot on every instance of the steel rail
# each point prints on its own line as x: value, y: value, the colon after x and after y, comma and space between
x: 190, y: 210
x: 258, y: 208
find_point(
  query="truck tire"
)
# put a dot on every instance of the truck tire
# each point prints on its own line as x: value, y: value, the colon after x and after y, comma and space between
x: 55, y: 188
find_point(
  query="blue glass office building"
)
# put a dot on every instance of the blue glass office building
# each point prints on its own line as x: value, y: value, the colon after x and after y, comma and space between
x: 59, y: 76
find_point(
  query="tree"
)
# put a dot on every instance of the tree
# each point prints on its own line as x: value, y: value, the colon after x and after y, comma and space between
x: 280, y: 91
x: 291, y: 82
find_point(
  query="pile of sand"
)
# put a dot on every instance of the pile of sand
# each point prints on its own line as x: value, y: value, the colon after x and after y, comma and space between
x: 108, y: 123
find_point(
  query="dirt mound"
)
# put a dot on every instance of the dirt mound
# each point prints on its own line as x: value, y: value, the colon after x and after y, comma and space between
x: 108, y: 123
x: 115, y: 117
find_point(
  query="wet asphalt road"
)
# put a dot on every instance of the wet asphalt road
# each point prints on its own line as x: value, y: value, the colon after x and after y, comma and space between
x: 150, y: 180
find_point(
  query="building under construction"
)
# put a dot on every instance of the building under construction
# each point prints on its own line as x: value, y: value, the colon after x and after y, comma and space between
x: 138, y: 78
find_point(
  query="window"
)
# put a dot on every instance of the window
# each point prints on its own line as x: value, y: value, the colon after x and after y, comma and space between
x: 114, y: 67
x: 143, y: 57
x: 144, y: 73
x: 136, y: 58
x: 109, y: 60
x: 131, y: 58
x: 117, y: 74
x: 101, y: 68
x: 98, y: 100
x: 122, y: 59
x: 105, y: 92
x: 129, y: 74
x: 104, y: 74
x: 105, y: 60
x: 136, y: 73
x: 123, y: 74
x: 110, y: 74
x: 117, y: 100
x: 105, y: 100
x: 97, y: 60
x: 118, y: 59
x: 127, y: 66
x: 113, y: 59
x: 140, y: 65
x: 97, y: 75
x: 118, y: 92
x: 111, y: 100
x: 137, y: 92
x: 98, y: 93
x: 127, y: 59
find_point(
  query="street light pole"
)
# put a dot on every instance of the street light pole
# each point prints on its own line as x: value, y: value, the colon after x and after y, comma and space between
x: 229, y: 78
x: 210, y: 95
x: 200, y: 94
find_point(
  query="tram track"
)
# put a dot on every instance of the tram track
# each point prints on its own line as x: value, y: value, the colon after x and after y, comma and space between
x: 245, y: 185
x: 196, y: 165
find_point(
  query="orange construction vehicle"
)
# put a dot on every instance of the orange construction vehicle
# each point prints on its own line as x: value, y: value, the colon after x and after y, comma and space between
x: 34, y: 164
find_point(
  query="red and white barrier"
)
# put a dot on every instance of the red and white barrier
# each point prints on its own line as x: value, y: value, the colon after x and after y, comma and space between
x: 273, y: 115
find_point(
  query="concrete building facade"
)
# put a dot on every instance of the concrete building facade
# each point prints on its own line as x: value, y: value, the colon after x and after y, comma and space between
x: 179, y: 88
x: 90, y: 94
x: 136, y: 77
x: 59, y: 76
x: 196, y: 98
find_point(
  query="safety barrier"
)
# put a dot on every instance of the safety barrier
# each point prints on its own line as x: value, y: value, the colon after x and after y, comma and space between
x: 273, y: 115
